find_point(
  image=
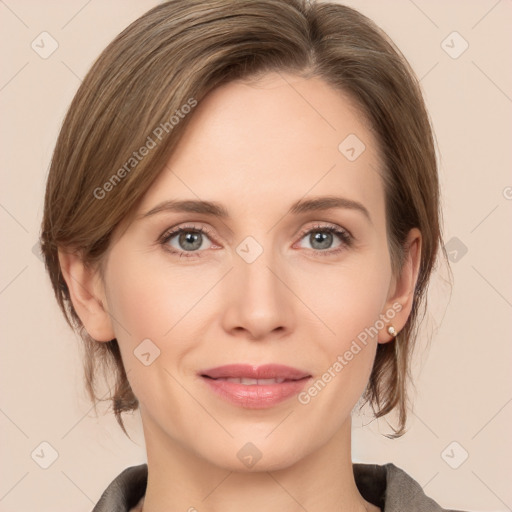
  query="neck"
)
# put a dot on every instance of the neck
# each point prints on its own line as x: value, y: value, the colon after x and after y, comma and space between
x: 178, y: 479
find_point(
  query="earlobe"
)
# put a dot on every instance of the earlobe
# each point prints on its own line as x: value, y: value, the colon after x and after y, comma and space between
x: 86, y: 291
x: 401, y: 298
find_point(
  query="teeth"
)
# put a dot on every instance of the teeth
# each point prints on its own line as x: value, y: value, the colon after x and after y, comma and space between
x: 252, y: 382
x: 249, y: 382
x: 270, y: 381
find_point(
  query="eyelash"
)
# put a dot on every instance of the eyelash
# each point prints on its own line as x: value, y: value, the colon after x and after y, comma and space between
x: 346, y: 239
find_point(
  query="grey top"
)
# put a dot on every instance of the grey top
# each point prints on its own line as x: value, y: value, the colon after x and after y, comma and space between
x: 386, y: 486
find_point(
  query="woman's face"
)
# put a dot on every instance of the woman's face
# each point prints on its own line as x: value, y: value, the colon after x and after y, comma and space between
x: 268, y: 283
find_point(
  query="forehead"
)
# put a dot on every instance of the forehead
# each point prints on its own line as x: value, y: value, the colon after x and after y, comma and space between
x: 276, y: 139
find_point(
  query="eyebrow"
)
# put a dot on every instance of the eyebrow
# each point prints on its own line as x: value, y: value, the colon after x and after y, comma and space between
x: 217, y: 210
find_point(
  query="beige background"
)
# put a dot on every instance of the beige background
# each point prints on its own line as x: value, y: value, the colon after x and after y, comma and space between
x: 463, y: 381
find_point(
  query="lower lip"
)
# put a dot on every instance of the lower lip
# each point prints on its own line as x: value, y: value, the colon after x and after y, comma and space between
x: 255, y: 396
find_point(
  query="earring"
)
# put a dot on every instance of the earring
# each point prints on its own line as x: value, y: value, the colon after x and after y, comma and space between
x: 392, y: 331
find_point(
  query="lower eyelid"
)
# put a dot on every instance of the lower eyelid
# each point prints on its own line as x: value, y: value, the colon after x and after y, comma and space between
x: 344, y: 238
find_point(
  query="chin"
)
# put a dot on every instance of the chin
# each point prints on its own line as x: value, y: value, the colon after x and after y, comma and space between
x: 253, y: 454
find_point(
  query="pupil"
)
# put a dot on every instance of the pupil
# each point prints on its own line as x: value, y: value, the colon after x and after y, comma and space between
x: 190, y: 238
x: 321, y: 238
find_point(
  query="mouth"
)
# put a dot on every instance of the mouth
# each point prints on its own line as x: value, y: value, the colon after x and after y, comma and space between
x: 250, y: 382
x: 254, y: 387
x: 248, y: 374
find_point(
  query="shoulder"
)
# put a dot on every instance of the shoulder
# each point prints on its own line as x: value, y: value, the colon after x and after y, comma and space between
x: 125, y: 491
x: 392, y: 489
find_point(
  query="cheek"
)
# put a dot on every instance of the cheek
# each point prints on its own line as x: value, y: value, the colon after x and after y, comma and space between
x: 148, y: 300
x: 346, y: 342
x: 147, y: 308
x: 350, y: 299
x: 152, y: 301
x: 349, y: 306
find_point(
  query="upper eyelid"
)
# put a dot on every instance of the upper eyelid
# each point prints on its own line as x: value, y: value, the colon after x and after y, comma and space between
x: 172, y: 232
x: 326, y: 226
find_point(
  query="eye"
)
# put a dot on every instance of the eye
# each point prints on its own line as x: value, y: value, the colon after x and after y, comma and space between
x: 321, y: 239
x: 190, y: 241
x: 185, y: 241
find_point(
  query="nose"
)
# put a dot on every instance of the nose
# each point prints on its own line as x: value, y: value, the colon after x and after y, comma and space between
x: 259, y: 304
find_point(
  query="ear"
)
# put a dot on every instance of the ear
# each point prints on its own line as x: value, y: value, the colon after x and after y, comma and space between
x: 401, y: 293
x: 87, y: 294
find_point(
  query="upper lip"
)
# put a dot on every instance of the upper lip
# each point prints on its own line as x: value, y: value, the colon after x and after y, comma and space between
x: 266, y: 371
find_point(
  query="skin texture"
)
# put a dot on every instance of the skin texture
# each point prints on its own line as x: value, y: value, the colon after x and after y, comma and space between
x: 256, y: 148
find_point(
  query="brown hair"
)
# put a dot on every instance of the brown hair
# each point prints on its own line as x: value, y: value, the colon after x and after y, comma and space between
x: 171, y: 57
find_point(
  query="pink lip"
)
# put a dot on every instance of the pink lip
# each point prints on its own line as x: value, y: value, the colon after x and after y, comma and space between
x: 255, y: 396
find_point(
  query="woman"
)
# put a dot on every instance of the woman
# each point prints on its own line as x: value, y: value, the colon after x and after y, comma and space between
x: 241, y: 219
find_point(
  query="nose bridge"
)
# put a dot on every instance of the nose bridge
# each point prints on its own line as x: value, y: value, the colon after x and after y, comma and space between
x: 258, y: 297
x: 256, y: 270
